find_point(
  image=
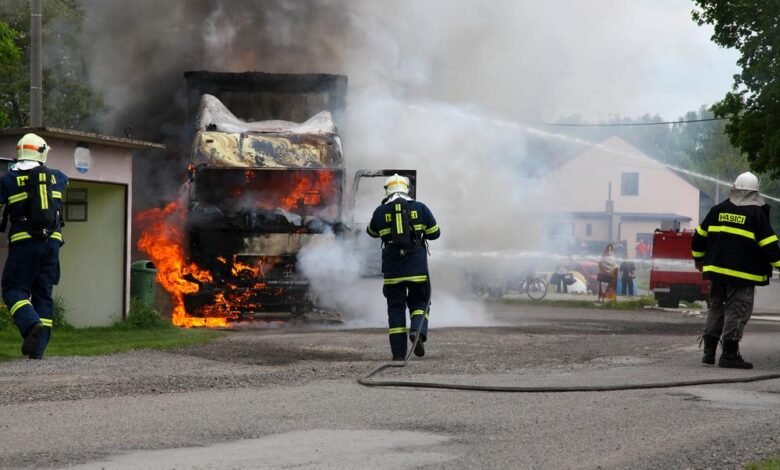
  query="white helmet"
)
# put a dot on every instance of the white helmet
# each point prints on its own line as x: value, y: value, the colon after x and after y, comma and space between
x: 747, y: 181
x: 32, y: 147
x: 396, y: 184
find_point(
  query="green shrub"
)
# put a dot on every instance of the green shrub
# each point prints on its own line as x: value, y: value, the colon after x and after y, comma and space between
x: 5, y: 319
x: 143, y: 316
x: 59, y: 315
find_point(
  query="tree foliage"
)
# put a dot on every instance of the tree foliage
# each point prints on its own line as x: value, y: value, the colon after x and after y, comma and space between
x: 68, y: 101
x: 753, y: 105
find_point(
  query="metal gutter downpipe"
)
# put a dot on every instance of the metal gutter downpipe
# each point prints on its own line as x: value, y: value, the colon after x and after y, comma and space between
x: 36, y: 63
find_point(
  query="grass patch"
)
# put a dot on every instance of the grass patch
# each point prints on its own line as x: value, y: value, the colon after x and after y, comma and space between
x: 107, y: 340
x: 769, y: 464
x: 144, y: 328
x: 637, y: 303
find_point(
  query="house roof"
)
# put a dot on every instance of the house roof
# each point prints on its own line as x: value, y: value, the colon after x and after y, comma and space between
x: 618, y: 145
x: 87, y: 137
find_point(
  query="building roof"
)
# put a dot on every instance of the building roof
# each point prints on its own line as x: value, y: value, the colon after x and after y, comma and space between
x: 82, y: 136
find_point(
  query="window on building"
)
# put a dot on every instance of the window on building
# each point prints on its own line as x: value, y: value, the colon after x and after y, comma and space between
x: 588, y: 229
x: 629, y: 184
x: 76, y: 205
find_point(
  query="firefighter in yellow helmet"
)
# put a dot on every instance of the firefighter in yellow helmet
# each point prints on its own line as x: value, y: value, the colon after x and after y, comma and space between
x: 32, y: 195
x: 736, y: 248
x: 404, y: 225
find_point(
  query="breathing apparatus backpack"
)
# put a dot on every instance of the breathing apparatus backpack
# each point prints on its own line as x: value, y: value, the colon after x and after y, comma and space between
x: 43, y: 216
x: 404, y: 239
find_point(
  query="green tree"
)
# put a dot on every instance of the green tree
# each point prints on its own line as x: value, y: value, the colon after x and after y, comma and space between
x: 10, y: 64
x: 67, y: 99
x: 753, y: 104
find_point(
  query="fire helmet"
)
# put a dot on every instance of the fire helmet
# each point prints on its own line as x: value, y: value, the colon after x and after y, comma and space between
x: 396, y: 184
x: 32, y: 147
x: 747, y: 181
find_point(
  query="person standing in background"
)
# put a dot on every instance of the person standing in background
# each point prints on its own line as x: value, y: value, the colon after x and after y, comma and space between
x: 627, y: 275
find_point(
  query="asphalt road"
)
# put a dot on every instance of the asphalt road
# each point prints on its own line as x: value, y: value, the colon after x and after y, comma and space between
x: 287, y: 398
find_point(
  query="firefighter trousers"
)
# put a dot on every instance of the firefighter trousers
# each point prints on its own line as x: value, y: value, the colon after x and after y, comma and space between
x: 30, y: 273
x: 730, y: 310
x: 413, y: 295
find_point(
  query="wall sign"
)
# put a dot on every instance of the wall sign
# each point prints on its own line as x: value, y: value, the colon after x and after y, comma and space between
x: 82, y: 157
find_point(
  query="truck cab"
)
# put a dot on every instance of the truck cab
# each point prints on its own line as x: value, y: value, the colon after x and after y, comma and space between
x: 673, y: 275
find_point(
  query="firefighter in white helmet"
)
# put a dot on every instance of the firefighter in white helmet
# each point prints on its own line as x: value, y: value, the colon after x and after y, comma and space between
x: 736, y: 248
x: 32, y: 195
x: 404, y: 225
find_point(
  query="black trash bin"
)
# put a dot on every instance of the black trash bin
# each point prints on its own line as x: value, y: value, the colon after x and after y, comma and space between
x: 142, y: 281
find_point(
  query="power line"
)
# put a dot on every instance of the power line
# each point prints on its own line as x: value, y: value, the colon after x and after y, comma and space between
x: 633, y: 123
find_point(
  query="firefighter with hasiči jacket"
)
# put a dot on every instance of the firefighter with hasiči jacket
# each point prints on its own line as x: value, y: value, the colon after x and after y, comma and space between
x: 32, y: 195
x: 404, y: 225
x: 736, y: 248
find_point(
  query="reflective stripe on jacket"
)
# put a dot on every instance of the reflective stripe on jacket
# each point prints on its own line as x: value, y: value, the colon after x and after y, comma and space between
x: 413, y: 266
x: 14, y: 194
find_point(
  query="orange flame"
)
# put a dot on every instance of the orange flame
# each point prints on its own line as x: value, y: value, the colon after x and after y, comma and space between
x: 162, y: 239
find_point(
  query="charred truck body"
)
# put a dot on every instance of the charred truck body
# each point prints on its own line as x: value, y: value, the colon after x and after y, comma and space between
x: 267, y: 175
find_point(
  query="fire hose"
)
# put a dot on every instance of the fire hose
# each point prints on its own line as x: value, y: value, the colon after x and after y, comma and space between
x: 366, y: 379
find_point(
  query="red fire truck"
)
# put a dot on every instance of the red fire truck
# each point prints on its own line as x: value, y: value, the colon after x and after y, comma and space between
x: 673, y: 276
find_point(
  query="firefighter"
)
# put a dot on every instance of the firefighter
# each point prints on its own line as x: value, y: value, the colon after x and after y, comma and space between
x: 32, y: 267
x: 735, y: 247
x: 404, y: 225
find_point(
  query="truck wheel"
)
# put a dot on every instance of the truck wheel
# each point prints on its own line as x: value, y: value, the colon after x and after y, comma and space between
x: 667, y: 301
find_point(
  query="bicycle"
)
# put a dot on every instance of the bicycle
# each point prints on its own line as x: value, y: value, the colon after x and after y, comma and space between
x: 534, y: 286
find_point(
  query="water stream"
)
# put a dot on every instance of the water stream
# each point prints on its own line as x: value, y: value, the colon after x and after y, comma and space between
x: 505, y: 124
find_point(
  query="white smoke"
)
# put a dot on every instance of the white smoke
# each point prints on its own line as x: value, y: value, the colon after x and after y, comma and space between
x: 426, y: 79
x: 335, y: 268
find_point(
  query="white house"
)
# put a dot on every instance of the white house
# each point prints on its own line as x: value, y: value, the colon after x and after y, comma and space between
x: 95, y: 260
x: 612, y: 192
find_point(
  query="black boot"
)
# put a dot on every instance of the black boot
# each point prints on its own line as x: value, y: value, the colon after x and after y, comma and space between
x: 419, y: 348
x: 730, y: 358
x: 710, y: 348
x: 31, y: 338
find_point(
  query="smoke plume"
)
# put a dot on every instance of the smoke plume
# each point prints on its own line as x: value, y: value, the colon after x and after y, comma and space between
x: 423, y: 78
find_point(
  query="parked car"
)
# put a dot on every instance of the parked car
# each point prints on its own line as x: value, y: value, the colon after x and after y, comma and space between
x: 590, y: 271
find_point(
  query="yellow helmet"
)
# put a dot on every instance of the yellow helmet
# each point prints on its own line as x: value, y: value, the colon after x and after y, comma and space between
x: 396, y: 184
x: 32, y: 147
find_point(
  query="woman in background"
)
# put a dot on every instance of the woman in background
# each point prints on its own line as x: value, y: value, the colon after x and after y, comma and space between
x: 607, y: 274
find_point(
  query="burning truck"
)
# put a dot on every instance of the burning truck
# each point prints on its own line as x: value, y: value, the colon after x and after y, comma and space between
x: 260, y: 187
x: 260, y: 191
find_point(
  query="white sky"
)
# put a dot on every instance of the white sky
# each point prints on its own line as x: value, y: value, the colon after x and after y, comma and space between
x: 532, y: 60
x: 525, y: 60
x: 668, y: 65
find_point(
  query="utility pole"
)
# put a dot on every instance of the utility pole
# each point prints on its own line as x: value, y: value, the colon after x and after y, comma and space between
x: 610, y: 210
x: 717, y: 189
x: 36, y: 65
